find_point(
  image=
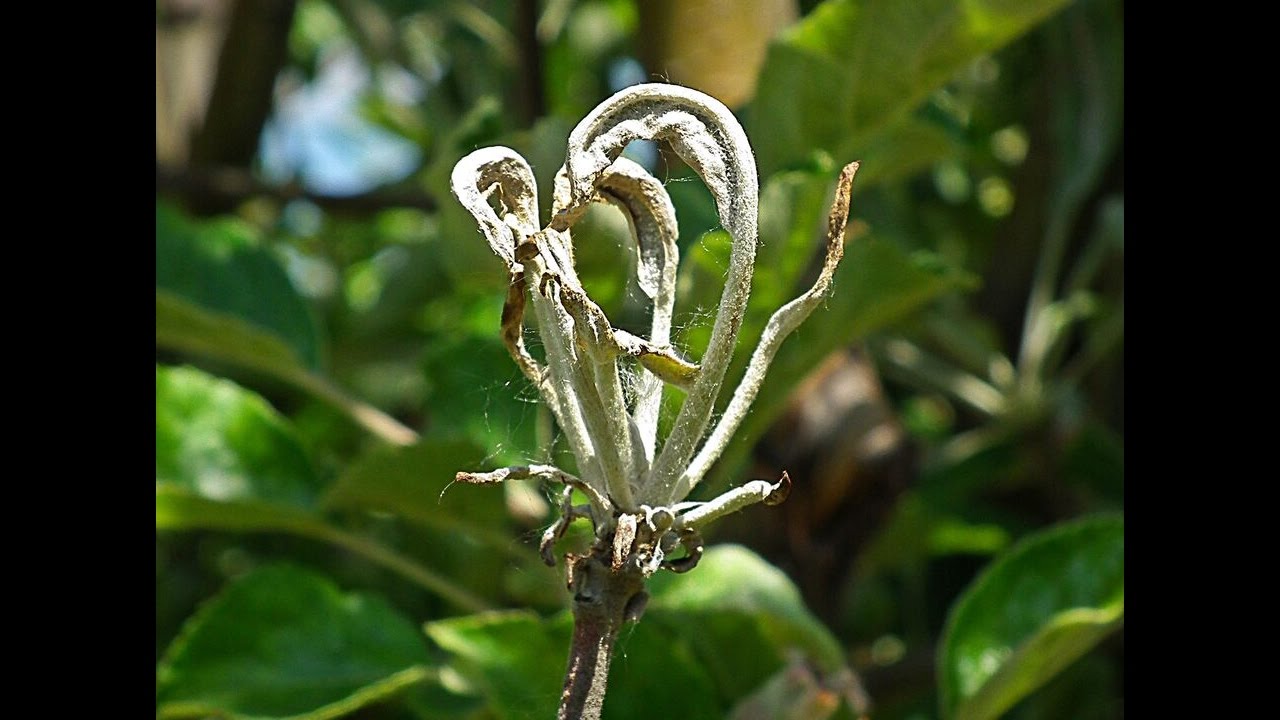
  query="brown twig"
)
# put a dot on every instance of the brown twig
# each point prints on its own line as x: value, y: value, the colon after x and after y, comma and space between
x: 228, y: 186
x: 603, y: 600
x: 531, y: 99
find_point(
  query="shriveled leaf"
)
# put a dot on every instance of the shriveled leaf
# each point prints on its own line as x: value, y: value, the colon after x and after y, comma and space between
x: 221, y: 442
x: 852, y: 68
x: 793, y: 208
x: 1037, y: 609
x: 285, y: 642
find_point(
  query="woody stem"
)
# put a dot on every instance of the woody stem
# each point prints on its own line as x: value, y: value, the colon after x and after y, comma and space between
x: 601, y: 597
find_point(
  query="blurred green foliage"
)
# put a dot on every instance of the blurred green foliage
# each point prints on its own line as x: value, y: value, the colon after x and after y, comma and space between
x: 327, y: 362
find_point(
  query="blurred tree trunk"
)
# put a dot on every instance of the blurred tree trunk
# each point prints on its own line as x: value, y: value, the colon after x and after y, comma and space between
x: 216, y: 66
x: 189, y: 35
x: 716, y: 46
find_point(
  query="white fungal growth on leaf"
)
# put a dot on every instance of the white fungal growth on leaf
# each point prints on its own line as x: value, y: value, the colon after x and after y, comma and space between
x: 634, y: 483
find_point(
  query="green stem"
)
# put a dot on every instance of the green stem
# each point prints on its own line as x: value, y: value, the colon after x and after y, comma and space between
x: 913, y: 364
x: 369, y: 417
x: 1100, y: 344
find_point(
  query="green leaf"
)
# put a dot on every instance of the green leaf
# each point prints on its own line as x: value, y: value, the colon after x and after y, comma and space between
x: 921, y: 527
x: 179, y: 508
x: 732, y: 579
x: 1037, y: 609
x: 475, y: 391
x: 1094, y: 459
x: 470, y: 524
x: 900, y: 151
x: 285, y: 642
x: 1089, y: 116
x: 224, y: 443
x: 852, y: 68
x: 516, y: 661
x: 718, y: 632
x: 220, y: 267
x: 181, y: 325
x: 877, y: 285
x: 220, y: 296
x: 412, y: 482
x: 226, y: 461
x: 185, y: 326
x: 1087, y: 129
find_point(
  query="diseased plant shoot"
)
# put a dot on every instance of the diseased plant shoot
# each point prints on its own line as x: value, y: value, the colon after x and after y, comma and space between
x: 634, y: 483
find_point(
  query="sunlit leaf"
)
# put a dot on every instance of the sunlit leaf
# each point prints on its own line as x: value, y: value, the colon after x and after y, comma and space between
x: 732, y: 579
x: 224, y: 443
x: 226, y: 461
x: 1047, y: 601
x: 852, y: 67
x: 285, y: 642
x: 514, y: 659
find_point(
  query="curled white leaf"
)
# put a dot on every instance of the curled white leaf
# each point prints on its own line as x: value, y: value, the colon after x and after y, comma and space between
x: 707, y: 136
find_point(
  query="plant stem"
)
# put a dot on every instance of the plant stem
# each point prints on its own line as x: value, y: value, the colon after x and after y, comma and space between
x: 602, y: 596
x: 367, y: 416
x: 399, y: 564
